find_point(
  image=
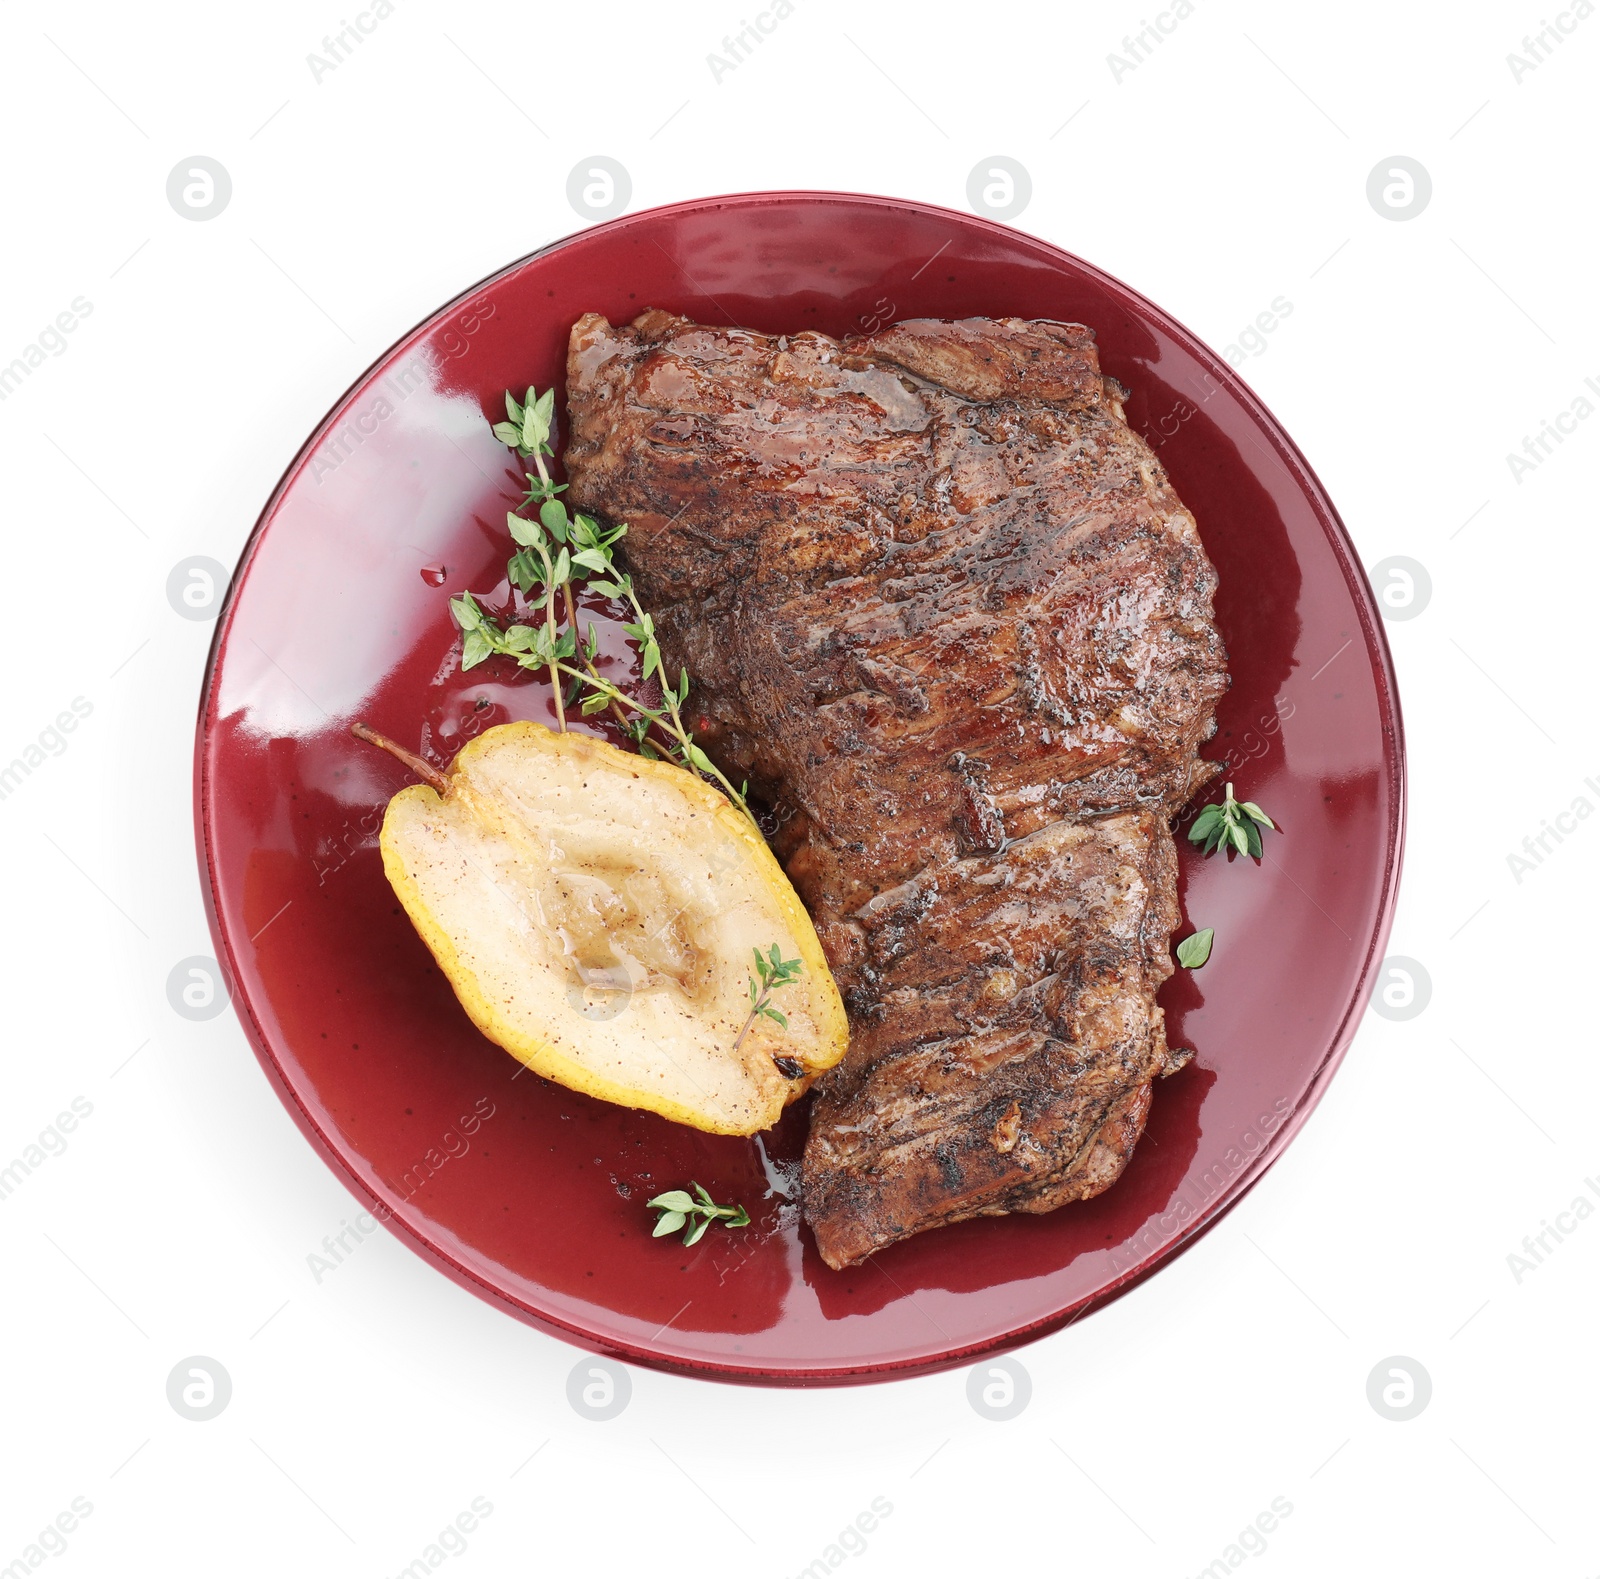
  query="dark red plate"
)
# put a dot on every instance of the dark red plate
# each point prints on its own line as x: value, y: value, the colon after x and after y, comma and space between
x: 534, y: 1197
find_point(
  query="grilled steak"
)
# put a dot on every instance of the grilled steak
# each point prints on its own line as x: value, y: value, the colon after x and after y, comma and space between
x: 944, y: 609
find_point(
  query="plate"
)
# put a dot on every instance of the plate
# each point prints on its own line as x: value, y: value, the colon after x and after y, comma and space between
x: 533, y: 1196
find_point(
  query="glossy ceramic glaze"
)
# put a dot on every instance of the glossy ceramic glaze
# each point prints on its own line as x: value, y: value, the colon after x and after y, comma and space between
x: 339, y: 610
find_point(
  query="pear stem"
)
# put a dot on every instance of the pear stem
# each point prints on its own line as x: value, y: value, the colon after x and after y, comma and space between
x: 425, y: 771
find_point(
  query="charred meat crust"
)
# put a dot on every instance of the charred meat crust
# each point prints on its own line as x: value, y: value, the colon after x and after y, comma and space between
x: 943, y: 606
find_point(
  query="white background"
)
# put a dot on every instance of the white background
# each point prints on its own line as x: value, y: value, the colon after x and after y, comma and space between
x: 370, y: 1409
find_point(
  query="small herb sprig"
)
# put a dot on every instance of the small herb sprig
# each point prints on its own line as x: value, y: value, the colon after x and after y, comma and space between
x: 1232, y: 824
x: 528, y: 431
x: 1195, y: 949
x: 678, y: 1207
x: 556, y: 551
x: 772, y: 972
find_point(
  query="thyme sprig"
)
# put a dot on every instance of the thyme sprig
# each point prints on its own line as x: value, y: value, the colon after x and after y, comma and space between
x: 556, y: 552
x: 772, y: 972
x: 1231, y: 824
x: 678, y: 1207
x: 529, y: 431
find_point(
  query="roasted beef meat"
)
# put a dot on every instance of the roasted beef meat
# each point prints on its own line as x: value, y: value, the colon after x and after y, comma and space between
x: 943, y: 608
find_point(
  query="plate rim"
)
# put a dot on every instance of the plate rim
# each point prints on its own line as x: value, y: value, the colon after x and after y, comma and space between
x: 1394, y: 762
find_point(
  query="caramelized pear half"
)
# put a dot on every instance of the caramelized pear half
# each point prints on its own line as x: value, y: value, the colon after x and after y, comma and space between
x: 597, y: 913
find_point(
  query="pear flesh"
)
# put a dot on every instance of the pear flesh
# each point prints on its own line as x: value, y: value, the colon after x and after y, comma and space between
x: 596, y: 913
